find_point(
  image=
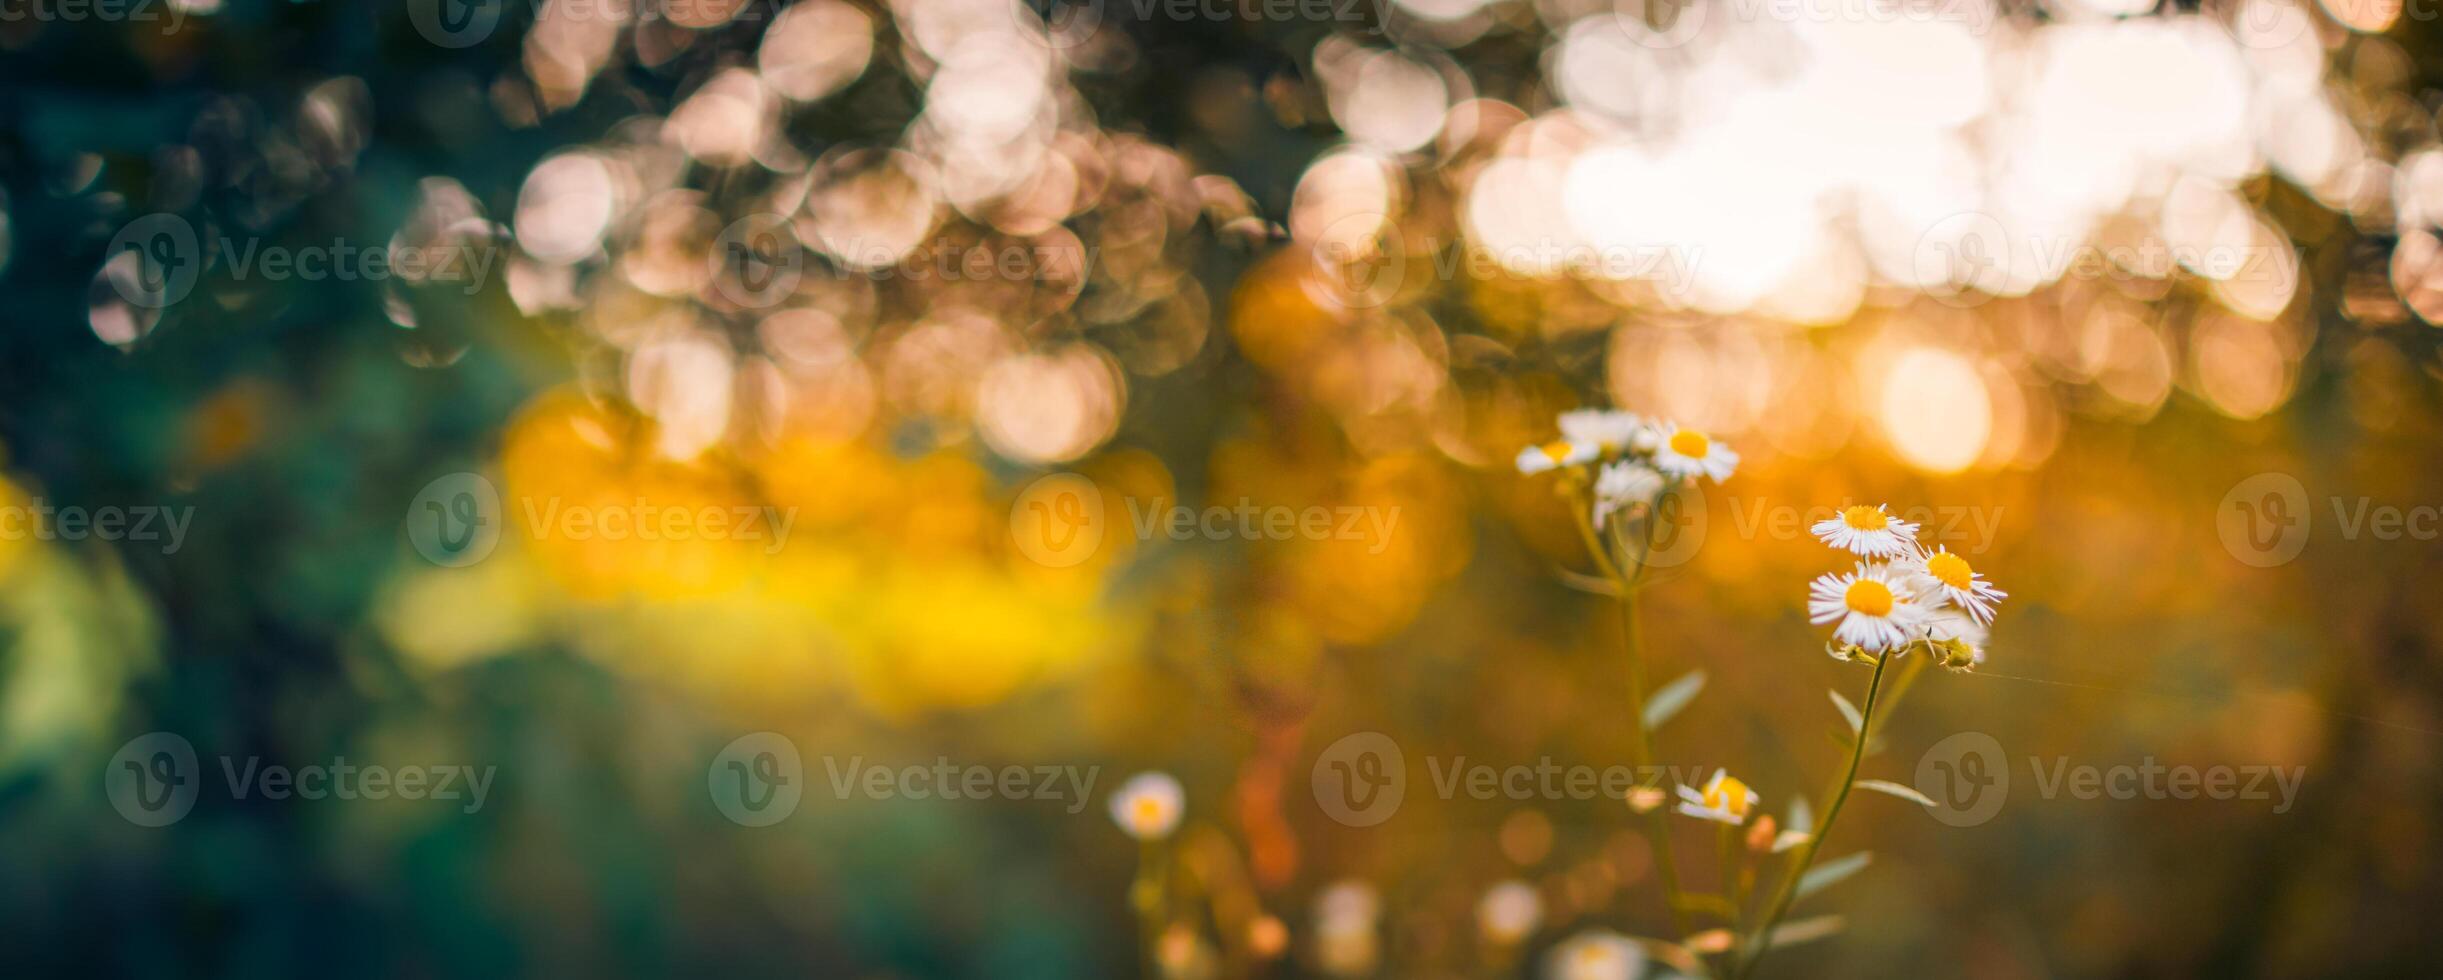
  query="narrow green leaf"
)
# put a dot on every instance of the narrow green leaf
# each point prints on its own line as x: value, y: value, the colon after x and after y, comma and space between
x: 1670, y: 698
x: 1678, y: 957
x: 1829, y: 873
x: 1848, y: 710
x: 1908, y: 793
x: 1805, y: 930
x: 1708, y: 904
x: 1592, y: 584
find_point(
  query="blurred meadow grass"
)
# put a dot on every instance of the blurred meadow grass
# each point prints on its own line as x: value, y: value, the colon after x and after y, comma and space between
x: 1259, y: 264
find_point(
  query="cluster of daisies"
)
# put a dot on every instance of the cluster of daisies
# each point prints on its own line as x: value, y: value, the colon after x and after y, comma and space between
x: 1900, y: 595
x: 1635, y: 459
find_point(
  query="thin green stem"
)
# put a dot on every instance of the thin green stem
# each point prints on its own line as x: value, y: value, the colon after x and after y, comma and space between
x: 1759, y: 942
x: 1149, y: 894
x: 1658, y: 835
x: 1658, y: 820
x: 1581, y: 507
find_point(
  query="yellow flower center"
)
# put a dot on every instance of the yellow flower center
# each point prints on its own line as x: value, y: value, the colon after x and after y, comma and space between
x: 1866, y: 518
x: 1691, y: 443
x: 1952, y: 569
x: 1555, y: 451
x: 1146, y: 812
x: 1870, y: 597
x: 1729, y: 796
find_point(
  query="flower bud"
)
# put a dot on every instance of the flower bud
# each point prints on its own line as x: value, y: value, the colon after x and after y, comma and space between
x: 1760, y: 836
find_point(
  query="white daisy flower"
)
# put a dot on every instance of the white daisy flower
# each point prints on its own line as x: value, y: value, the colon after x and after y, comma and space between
x: 1686, y: 453
x: 1148, y: 805
x: 1958, y: 640
x: 1596, y: 954
x: 1509, y: 912
x: 1610, y: 432
x: 1874, y: 605
x: 1621, y: 483
x: 1723, y: 799
x: 1867, y: 531
x: 1556, y: 454
x: 1950, y: 576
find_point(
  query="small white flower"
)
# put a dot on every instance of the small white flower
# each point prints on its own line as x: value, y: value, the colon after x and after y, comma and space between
x: 1686, y: 453
x: 1622, y: 483
x: 1874, y: 606
x: 1148, y: 805
x: 1554, y: 455
x: 1950, y: 576
x: 1649, y: 437
x: 1957, y: 640
x: 1610, y: 432
x: 1723, y: 799
x: 1509, y: 912
x: 1596, y: 954
x: 1945, y: 625
x: 1867, y: 531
